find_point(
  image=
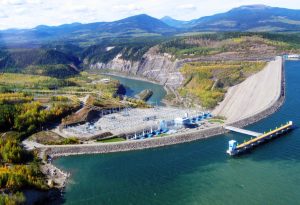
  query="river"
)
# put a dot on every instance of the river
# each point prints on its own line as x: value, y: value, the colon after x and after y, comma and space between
x: 134, y: 87
x: 198, y: 172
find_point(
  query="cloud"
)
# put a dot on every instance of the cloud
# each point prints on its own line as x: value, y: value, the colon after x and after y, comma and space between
x: 3, y: 15
x: 79, y: 8
x: 13, y: 2
x: 128, y: 8
x: 34, y: 1
x: 20, y: 11
x: 187, y: 7
x: 30, y: 13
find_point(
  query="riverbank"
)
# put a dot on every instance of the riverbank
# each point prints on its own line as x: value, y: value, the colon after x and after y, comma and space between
x: 169, y: 90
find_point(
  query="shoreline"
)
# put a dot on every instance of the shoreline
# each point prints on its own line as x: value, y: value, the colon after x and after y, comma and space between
x: 167, y: 88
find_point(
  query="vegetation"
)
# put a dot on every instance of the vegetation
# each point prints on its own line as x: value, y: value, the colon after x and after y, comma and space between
x: 132, y: 51
x: 39, y: 61
x: 12, y: 199
x: 19, y: 112
x: 57, y: 70
x: 136, y: 103
x: 206, y: 82
x: 215, y: 43
x: 216, y: 121
x: 145, y: 94
x: 18, y: 170
x: 113, y: 139
x: 51, y: 138
x: 13, y: 82
x: 92, y: 83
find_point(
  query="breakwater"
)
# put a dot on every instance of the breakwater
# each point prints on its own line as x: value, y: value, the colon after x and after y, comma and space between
x: 65, y: 150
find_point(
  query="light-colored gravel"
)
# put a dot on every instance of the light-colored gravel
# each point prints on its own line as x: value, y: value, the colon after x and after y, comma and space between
x: 253, y: 95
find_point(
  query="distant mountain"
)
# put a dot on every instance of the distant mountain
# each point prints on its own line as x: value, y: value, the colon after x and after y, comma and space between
x: 173, y: 22
x: 143, y: 23
x: 140, y: 25
x: 253, y: 18
x: 250, y: 18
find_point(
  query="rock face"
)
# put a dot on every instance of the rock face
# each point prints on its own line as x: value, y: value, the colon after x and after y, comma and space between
x: 153, y: 66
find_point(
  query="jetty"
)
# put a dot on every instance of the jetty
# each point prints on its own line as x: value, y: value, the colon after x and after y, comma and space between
x: 235, y: 148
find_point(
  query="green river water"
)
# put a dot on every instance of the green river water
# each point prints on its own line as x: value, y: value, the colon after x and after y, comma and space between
x: 134, y: 87
x: 198, y: 172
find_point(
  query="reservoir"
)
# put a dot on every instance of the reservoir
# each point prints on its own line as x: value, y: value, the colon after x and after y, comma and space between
x: 199, y: 172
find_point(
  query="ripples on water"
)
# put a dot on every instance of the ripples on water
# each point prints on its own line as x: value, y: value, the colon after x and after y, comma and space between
x: 198, y: 172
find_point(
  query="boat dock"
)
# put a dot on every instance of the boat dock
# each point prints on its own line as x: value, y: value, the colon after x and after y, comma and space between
x: 235, y: 148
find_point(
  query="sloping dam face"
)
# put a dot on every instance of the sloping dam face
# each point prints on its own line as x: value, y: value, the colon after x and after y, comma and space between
x: 254, y: 95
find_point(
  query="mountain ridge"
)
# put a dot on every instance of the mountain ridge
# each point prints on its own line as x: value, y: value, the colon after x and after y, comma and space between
x: 248, y: 18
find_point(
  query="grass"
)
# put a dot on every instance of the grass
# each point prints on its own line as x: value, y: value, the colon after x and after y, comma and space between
x: 51, y: 138
x: 216, y: 121
x: 84, y: 82
x: 113, y: 139
x: 21, y: 81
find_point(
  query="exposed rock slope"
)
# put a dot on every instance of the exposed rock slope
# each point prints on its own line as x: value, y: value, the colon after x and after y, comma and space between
x: 153, y: 66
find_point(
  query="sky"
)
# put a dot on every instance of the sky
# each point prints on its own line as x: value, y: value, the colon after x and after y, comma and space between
x: 30, y: 13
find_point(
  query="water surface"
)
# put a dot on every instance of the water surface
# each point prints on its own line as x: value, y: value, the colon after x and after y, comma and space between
x: 134, y: 87
x: 198, y: 172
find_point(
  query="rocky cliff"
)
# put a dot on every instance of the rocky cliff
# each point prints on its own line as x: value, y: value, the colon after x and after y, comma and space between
x: 153, y: 66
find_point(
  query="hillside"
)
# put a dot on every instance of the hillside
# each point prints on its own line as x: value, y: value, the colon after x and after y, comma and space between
x: 39, y: 61
x: 156, y: 58
x: 250, y: 18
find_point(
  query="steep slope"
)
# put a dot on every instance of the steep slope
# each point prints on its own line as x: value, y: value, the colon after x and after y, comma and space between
x: 39, y: 61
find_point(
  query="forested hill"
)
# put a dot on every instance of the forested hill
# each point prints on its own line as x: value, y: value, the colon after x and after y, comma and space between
x: 66, y: 59
x: 39, y: 61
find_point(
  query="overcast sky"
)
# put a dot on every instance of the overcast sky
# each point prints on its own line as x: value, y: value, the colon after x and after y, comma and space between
x: 30, y: 13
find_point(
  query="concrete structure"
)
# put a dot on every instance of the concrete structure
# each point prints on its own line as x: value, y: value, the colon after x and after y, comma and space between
x: 243, y: 131
x: 253, y: 95
x: 235, y: 149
